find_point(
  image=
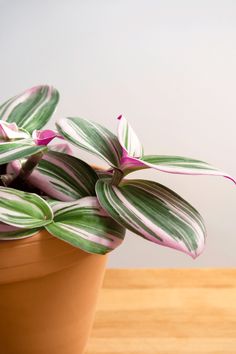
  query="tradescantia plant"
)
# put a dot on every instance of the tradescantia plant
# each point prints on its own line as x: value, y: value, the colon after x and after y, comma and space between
x: 43, y: 186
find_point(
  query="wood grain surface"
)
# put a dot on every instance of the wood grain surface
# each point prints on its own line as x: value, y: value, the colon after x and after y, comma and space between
x: 166, y: 311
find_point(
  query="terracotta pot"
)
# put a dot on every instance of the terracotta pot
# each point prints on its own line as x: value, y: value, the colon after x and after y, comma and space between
x: 48, y: 293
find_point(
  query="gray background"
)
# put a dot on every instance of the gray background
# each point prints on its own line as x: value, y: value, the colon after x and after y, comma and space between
x: 169, y: 66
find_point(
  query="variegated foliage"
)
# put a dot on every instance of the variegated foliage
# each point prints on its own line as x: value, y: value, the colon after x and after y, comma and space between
x: 127, y: 151
x: 91, y: 137
x: 146, y: 208
x: 75, y: 215
x: 60, y: 176
x: 9, y: 232
x: 19, y: 149
x: 22, y: 115
x: 154, y: 212
x: 86, y: 225
x: 82, y: 223
x: 23, y: 210
x: 31, y: 109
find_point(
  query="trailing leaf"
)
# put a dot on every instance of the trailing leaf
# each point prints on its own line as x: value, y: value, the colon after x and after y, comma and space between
x: 84, y: 224
x: 31, y: 109
x: 8, y: 232
x: 24, y: 210
x: 91, y: 137
x: 154, y: 212
x: 133, y: 159
x: 172, y: 164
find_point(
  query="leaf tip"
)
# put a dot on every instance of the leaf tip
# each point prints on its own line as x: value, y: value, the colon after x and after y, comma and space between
x: 230, y: 178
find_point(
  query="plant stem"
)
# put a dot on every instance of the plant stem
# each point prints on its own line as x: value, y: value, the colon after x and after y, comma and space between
x: 26, y: 170
x: 117, y: 177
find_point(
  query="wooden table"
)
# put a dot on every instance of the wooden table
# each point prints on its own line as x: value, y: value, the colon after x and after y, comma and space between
x: 166, y: 311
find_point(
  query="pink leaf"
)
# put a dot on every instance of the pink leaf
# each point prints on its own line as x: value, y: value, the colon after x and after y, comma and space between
x: 64, y: 148
x: 10, y: 131
x: 43, y: 137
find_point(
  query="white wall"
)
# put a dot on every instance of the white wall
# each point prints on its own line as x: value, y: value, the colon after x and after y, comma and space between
x: 169, y: 66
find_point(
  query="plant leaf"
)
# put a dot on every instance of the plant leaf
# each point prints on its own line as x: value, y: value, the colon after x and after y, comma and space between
x: 8, y: 232
x: 10, y: 131
x: 64, y: 177
x: 154, y: 212
x: 19, y: 149
x: 102, y: 173
x: 60, y: 176
x: 92, y: 137
x: 84, y: 224
x: 172, y: 164
x: 24, y: 210
x: 31, y: 109
x: 128, y: 139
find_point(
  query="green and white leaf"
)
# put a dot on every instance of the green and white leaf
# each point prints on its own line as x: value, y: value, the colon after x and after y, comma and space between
x: 8, y: 232
x: 19, y: 149
x: 172, y: 164
x: 64, y: 177
x: 31, y: 109
x: 92, y: 137
x: 154, y: 212
x: 182, y: 165
x: 84, y: 224
x: 24, y: 210
x: 128, y: 139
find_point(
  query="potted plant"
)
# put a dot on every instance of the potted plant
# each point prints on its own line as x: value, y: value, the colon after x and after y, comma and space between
x: 60, y: 217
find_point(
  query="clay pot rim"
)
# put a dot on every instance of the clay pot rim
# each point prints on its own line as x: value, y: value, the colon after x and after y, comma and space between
x: 4, y: 244
x: 37, y: 256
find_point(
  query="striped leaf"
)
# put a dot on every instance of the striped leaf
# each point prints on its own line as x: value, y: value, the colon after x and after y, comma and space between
x: 64, y: 177
x: 19, y: 149
x: 172, y: 164
x: 128, y: 139
x: 9, y: 232
x: 31, y: 109
x: 84, y: 224
x: 61, y: 176
x: 24, y: 210
x: 154, y: 212
x: 92, y: 137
